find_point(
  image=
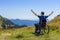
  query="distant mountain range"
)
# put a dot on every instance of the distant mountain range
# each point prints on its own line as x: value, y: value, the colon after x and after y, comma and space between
x: 4, y: 21
x: 18, y: 22
x: 24, y: 22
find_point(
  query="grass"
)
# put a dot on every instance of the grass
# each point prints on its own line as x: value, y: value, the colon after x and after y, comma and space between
x: 26, y: 34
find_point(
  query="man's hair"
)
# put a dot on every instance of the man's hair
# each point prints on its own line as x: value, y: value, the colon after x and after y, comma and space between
x: 42, y: 13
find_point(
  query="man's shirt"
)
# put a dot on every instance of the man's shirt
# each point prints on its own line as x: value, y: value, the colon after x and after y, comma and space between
x: 42, y: 18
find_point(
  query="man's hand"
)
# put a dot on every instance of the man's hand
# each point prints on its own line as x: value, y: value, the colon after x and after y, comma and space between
x: 31, y: 10
x: 34, y: 12
x: 51, y: 13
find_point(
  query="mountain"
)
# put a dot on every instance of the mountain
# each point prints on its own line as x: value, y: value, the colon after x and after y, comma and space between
x: 4, y: 22
x: 24, y: 22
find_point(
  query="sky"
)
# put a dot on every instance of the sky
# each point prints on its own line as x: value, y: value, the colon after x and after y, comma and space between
x: 21, y: 9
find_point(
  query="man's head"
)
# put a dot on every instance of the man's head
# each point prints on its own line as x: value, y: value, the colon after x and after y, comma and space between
x: 42, y: 13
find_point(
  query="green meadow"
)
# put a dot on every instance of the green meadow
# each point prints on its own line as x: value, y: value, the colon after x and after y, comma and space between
x: 26, y: 33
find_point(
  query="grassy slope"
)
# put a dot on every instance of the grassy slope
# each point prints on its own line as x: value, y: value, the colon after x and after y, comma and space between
x: 26, y: 32
x: 5, y: 21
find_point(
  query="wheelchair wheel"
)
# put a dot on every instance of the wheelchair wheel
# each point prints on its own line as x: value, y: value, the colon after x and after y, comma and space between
x: 47, y: 29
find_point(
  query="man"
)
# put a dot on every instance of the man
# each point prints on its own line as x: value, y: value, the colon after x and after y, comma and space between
x: 42, y: 21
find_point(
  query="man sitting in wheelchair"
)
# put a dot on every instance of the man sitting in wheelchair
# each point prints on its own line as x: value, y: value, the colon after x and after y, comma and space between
x: 42, y: 22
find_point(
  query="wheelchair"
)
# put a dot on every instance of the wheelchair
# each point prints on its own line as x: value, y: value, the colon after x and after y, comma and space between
x: 39, y: 30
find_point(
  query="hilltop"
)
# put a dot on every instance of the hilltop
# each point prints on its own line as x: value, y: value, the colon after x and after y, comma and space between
x: 26, y: 33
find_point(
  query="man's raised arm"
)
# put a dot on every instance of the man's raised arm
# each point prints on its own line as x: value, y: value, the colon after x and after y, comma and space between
x: 34, y: 12
x: 50, y: 14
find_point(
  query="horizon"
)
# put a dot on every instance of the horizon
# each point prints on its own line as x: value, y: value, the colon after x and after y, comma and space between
x: 21, y: 9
